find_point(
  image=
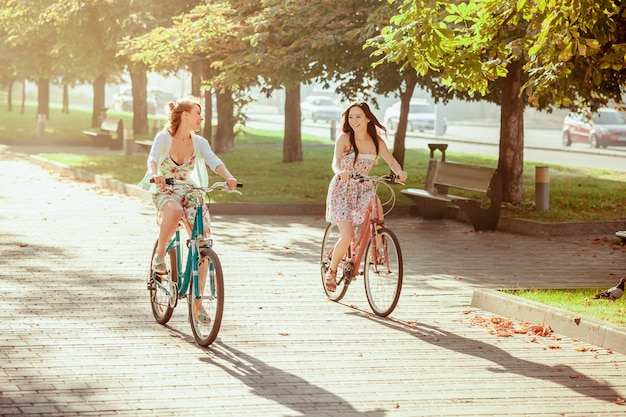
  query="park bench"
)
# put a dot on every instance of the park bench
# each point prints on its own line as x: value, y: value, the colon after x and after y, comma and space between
x: 483, y: 182
x: 144, y: 144
x: 104, y: 137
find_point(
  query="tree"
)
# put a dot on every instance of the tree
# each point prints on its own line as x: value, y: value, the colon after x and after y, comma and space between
x: 516, y: 53
x: 205, y: 34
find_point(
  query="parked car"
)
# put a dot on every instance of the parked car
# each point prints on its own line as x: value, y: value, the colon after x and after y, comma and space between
x: 421, y: 117
x: 320, y: 108
x: 606, y: 127
x: 123, y: 101
x: 161, y: 99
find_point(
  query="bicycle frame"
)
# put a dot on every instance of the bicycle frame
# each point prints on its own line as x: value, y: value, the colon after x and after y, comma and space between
x: 374, y: 220
x: 191, y: 268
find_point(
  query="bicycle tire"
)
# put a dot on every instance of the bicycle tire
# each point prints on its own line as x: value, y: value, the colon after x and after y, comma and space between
x: 161, y: 300
x: 212, y: 296
x: 383, y: 281
x: 344, y: 272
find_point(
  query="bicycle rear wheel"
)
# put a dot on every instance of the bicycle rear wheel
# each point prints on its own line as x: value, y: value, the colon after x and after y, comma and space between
x: 344, y: 272
x: 207, y: 319
x: 383, y: 273
x: 163, y: 288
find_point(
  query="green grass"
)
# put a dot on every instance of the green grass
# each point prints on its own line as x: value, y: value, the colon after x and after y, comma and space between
x: 578, y: 301
x: 576, y: 194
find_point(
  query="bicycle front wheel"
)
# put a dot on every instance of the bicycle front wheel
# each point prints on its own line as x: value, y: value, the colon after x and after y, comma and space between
x: 163, y: 287
x: 344, y: 273
x: 383, y: 273
x: 206, y: 298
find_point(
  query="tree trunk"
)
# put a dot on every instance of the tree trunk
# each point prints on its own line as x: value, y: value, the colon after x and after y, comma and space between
x: 97, y: 115
x: 225, y: 133
x: 139, y: 80
x: 292, y: 142
x: 10, y: 95
x: 405, y: 103
x: 511, y: 158
x: 23, y: 106
x: 43, y: 97
x: 208, y: 105
x: 196, y: 78
x: 66, y: 99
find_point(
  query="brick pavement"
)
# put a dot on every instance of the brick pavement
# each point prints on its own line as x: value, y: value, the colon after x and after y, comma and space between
x: 78, y: 337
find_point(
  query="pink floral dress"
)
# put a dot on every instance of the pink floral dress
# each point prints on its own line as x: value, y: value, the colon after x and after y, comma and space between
x: 347, y: 200
x: 180, y: 194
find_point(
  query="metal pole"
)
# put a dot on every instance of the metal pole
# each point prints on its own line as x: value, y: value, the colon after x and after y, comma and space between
x: 542, y: 188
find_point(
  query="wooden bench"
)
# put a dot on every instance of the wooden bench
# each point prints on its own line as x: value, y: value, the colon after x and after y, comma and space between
x: 146, y: 145
x: 432, y: 204
x: 104, y: 136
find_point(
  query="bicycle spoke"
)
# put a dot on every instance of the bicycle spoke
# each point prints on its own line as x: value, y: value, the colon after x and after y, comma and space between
x: 331, y: 236
x: 383, y: 273
x: 206, y: 299
x: 163, y: 288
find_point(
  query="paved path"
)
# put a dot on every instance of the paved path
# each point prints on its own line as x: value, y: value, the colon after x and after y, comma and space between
x: 77, y: 336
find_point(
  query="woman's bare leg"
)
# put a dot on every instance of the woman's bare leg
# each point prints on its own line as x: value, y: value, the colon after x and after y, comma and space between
x: 171, y: 213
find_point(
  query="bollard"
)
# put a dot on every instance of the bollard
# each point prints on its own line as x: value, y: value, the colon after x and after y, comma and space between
x: 333, y: 129
x: 433, y: 164
x: 129, y: 143
x: 542, y: 188
x: 41, y: 125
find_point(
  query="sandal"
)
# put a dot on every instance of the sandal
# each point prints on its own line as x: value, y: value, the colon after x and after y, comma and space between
x: 158, y: 265
x: 331, y: 280
x: 202, y: 316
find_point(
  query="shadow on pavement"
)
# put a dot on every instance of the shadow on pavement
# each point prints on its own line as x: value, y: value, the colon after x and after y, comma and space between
x: 564, y: 375
x: 270, y: 382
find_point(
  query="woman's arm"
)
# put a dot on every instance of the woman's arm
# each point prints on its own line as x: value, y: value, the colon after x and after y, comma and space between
x: 341, y: 145
x: 395, y: 166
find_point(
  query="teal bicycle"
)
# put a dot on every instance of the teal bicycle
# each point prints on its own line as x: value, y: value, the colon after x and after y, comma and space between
x: 201, y: 281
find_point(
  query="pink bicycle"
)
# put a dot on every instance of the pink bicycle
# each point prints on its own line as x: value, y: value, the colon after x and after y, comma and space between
x: 377, y: 245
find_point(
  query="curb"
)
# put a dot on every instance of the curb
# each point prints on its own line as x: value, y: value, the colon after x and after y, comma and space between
x: 506, y: 224
x: 574, y: 325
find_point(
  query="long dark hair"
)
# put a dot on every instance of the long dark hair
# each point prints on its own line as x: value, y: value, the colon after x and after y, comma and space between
x: 372, y: 126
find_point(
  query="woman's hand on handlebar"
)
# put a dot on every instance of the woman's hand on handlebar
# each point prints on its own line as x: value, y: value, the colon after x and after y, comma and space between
x: 232, y: 182
x: 159, y: 181
x: 344, y: 175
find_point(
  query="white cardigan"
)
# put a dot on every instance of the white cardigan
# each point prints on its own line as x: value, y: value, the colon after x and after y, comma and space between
x: 161, y: 149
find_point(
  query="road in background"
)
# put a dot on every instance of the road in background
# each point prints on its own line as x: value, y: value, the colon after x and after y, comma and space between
x: 541, y: 145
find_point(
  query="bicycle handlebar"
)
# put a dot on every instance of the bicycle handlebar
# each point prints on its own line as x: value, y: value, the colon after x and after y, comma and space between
x: 392, y: 178
x: 222, y: 186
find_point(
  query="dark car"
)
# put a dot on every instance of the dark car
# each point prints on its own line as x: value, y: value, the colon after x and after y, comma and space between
x: 606, y: 127
x: 320, y: 108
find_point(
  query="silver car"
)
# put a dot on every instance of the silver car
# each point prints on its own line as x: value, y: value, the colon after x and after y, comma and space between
x: 320, y: 108
x: 421, y: 117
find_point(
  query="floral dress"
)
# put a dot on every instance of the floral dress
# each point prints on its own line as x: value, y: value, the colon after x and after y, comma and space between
x: 180, y: 194
x: 347, y: 200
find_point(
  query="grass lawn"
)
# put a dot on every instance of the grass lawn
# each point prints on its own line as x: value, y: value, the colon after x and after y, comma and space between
x: 579, y: 300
